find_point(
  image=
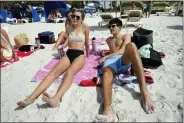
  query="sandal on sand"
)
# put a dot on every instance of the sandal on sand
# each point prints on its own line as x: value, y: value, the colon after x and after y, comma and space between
x: 162, y: 55
x: 106, y: 118
x: 91, y: 82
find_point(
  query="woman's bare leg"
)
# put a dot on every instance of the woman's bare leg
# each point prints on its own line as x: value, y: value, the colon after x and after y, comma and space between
x: 58, y: 69
x: 75, y: 67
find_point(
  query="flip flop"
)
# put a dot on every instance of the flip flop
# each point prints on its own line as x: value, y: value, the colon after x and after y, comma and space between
x: 91, y: 82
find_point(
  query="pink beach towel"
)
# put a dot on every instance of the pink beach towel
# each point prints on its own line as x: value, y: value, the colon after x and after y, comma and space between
x: 89, y: 71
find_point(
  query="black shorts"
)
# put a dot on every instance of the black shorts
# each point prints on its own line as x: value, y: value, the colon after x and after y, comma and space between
x: 73, y: 54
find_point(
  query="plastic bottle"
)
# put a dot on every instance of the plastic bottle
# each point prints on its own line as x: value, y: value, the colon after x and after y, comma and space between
x: 94, y: 46
x: 37, y: 42
x: 60, y: 51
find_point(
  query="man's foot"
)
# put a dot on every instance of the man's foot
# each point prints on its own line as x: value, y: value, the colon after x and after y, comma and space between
x: 106, y: 118
x: 52, y: 102
x: 147, y: 102
x: 26, y: 102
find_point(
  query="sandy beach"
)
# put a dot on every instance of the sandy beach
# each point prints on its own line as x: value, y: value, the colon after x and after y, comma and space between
x: 81, y: 104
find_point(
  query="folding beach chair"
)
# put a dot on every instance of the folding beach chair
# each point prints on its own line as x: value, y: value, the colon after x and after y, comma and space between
x: 134, y: 17
x: 6, y: 18
x: 105, y: 19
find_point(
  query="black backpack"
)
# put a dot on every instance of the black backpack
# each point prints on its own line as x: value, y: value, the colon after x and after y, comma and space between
x: 154, y: 61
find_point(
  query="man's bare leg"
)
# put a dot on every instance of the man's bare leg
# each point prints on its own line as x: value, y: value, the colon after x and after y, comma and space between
x: 107, y: 79
x: 75, y: 67
x: 146, y: 14
x: 59, y: 68
x: 107, y: 89
x: 131, y: 55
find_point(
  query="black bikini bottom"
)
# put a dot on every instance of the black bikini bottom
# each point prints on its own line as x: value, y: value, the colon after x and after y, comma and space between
x: 73, y: 54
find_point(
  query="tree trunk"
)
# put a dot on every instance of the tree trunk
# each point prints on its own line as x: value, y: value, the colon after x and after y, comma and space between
x: 120, y: 7
x: 104, y: 7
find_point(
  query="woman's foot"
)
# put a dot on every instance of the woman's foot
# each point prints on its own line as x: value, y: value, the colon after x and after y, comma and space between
x: 26, y: 102
x: 51, y: 101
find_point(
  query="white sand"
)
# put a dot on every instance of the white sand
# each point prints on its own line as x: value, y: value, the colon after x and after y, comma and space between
x: 82, y: 104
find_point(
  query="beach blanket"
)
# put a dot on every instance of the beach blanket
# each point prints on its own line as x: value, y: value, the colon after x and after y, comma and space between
x: 119, y: 79
x: 19, y: 55
x: 89, y: 71
x: 127, y: 78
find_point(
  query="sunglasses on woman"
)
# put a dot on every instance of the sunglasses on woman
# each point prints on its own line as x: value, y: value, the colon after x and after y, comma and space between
x: 75, y: 16
x: 113, y: 26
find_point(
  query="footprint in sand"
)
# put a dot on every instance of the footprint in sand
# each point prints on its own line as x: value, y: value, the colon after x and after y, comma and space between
x: 165, y: 111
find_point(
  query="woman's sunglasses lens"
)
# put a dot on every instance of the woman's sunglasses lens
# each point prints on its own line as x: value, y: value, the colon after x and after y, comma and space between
x: 75, y: 16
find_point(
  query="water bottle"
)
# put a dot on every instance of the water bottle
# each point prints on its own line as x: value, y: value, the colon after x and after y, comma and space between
x: 94, y: 46
x: 60, y: 51
x: 37, y: 42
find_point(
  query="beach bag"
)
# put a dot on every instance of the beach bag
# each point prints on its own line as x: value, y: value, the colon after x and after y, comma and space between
x: 142, y: 37
x: 27, y: 48
x: 154, y: 61
x: 46, y: 37
x: 21, y: 39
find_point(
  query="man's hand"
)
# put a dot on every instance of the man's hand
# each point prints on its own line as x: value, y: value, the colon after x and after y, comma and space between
x: 101, y: 60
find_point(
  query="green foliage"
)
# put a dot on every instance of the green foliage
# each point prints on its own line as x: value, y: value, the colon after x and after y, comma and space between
x: 97, y: 2
x: 8, y: 4
x: 77, y: 4
x: 160, y: 4
x: 114, y: 4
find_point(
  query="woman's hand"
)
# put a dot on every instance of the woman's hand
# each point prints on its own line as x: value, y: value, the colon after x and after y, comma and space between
x: 55, y: 46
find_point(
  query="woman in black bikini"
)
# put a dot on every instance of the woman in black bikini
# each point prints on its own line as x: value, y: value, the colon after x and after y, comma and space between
x: 71, y: 63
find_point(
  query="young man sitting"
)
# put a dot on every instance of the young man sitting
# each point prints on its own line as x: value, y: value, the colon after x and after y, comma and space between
x: 123, y: 53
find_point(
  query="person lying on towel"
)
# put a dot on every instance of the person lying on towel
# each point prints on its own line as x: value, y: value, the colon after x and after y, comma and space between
x: 71, y: 63
x: 7, y: 50
x: 123, y: 54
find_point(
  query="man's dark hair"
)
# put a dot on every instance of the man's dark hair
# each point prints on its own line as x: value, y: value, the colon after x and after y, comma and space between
x: 116, y: 21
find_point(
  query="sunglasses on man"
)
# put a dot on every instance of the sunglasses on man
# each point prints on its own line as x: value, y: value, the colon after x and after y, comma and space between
x: 113, y: 26
x: 75, y: 17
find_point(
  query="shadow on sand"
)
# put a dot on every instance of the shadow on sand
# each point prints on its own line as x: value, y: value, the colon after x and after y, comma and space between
x: 42, y: 106
x: 176, y: 27
x: 135, y: 95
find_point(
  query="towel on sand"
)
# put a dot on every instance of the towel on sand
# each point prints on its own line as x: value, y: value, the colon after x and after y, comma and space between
x: 19, y: 55
x: 88, y: 71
